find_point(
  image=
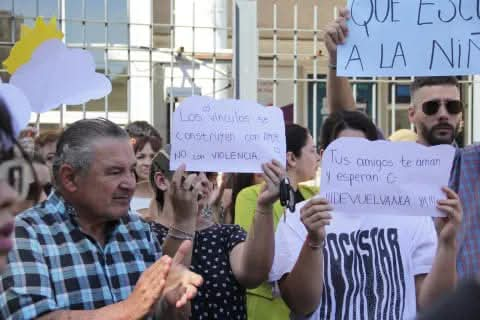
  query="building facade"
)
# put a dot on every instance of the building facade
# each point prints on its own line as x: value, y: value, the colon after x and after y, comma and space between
x: 157, y: 52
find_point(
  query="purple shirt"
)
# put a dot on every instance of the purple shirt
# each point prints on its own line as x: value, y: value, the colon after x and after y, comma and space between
x: 465, y: 180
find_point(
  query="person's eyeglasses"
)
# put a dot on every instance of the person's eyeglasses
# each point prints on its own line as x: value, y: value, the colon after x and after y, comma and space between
x: 18, y: 174
x: 431, y: 107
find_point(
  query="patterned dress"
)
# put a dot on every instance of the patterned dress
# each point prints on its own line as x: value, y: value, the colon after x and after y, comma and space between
x: 220, y: 296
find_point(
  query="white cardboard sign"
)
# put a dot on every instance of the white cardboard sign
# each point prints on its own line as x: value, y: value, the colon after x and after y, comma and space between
x: 382, y: 177
x: 226, y: 135
x: 411, y: 38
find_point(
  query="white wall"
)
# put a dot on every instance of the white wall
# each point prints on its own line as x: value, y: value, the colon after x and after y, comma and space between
x: 140, y: 91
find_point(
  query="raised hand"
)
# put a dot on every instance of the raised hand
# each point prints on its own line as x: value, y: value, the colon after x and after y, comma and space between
x: 273, y: 173
x: 448, y: 227
x: 315, y: 215
x: 335, y: 34
x: 180, y: 286
x: 183, y: 194
x: 181, y: 283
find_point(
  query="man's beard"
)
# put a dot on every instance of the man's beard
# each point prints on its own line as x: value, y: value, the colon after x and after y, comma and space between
x: 433, y: 139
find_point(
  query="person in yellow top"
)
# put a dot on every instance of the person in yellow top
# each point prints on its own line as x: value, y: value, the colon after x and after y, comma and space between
x: 303, y: 160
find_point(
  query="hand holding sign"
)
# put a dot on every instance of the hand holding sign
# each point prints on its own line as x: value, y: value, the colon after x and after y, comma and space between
x: 336, y: 34
x: 315, y: 215
x: 406, y: 178
x: 226, y: 135
x: 411, y: 38
x: 273, y: 173
x: 448, y: 226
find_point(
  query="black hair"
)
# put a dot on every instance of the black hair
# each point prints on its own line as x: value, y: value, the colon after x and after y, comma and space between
x: 6, y: 129
x: 296, y: 138
x: 338, y: 121
x: 420, y: 82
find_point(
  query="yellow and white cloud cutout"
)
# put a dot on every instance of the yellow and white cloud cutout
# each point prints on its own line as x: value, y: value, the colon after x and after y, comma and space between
x: 30, y: 40
x: 50, y: 74
x: 58, y: 75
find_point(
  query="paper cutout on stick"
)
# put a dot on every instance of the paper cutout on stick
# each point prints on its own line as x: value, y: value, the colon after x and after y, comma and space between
x: 30, y: 40
x: 381, y: 177
x: 50, y: 74
x: 226, y: 135
x: 59, y: 75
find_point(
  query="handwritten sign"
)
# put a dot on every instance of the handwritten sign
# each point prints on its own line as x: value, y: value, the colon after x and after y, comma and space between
x: 226, y: 135
x: 411, y: 38
x: 381, y: 177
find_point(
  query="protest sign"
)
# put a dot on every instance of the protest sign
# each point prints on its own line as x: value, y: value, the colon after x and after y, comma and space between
x: 411, y: 38
x: 226, y: 135
x: 382, y: 177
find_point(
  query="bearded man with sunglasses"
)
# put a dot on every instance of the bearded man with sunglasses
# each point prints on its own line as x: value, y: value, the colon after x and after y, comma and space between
x: 436, y: 109
x: 436, y: 112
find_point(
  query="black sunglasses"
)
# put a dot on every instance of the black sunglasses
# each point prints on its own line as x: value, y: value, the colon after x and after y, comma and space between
x: 17, y: 170
x: 18, y: 174
x: 431, y: 107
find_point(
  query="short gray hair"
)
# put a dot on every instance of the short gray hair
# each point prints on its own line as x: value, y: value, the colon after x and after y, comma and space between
x: 75, y: 144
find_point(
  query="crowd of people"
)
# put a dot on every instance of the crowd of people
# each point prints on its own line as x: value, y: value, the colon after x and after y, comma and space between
x: 94, y: 225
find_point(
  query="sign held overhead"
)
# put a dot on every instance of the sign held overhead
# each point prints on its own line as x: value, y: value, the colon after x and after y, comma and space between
x: 411, y: 38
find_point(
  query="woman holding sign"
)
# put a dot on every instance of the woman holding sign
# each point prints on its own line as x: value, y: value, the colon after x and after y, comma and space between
x: 302, y: 158
x: 339, y: 266
x: 229, y: 260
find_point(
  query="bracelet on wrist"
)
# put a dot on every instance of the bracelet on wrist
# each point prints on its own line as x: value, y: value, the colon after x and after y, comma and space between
x: 264, y: 211
x: 332, y: 66
x: 180, y: 234
x: 314, y: 245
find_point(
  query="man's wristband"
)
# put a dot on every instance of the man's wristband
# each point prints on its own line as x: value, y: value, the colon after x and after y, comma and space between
x: 332, y: 66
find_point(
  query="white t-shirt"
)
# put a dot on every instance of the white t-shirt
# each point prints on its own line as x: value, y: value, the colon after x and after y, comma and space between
x: 138, y: 203
x: 370, y: 263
